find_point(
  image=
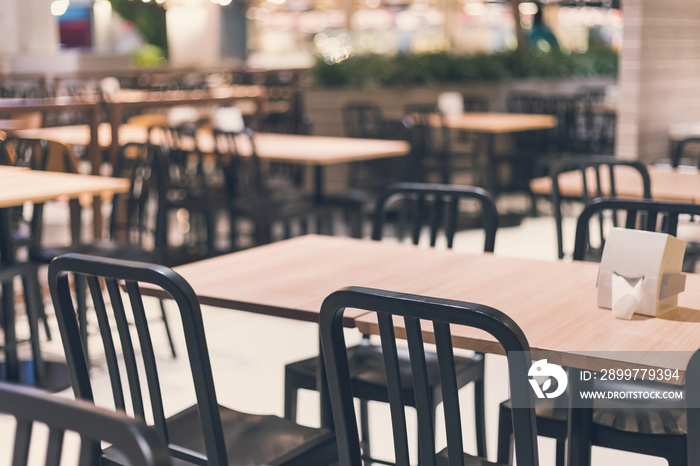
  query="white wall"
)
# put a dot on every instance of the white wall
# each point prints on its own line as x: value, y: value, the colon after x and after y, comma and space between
x: 193, y: 35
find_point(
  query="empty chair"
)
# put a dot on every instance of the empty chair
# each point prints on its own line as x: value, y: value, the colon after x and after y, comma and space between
x: 365, y: 178
x: 205, y: 433
x: 411, y: 312
x: 266, y: 199
x: 362, y: 120
x: 437, y: 207
x: 189, y: 187
x: 682, y: 146
x: 137, y: 444
x: 599, y: 175
x: 657, y: 432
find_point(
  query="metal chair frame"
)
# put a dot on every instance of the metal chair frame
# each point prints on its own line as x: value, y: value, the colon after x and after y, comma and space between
x: 416, y: 311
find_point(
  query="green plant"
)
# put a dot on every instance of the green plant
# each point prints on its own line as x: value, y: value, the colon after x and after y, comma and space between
x: 148, y: 18
x: 371, y: 71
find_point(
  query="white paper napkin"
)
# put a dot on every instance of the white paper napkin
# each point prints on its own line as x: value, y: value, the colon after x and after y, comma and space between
x: 626, y: 295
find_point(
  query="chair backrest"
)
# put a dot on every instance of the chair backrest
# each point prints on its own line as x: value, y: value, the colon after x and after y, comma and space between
x: 681, y: 147
x: 111, y: 276
x: 430, y: 143
x: 37, y: 154
x: 139, y: 216
x: 599, y: 174
x: 138, y: 444
x: 642, y: 214
x: 435, y: 206
x: 475, y: 103
x: 418, y: 312
x: 362, y: 120
x: 240, y: 163
x: 180, y: 149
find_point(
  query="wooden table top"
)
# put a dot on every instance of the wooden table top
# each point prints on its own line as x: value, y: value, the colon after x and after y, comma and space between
x: 309, y: 150
x: 497, y: 123
x: 553, y: 302
x: 141, y: 98
x: 667, y: 184
x: 21, y: 185
x: 48, y: 104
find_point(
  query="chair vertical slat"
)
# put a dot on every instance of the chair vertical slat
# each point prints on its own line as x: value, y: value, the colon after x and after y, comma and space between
x: 451, y: 221
x: 613, y: 189
x: 129, y: 354
x: 651, y: 221
x: 395, y: 392
x: 88, y: 452
x: 631, y: 219
x: 450, y: 396
x: 23, y: 437
x: 421, y: 390
x: 435, y: 219
x: 54, y: 447
x: 149, y: 359
x: 418, y: 208
x: 672, y: 224
x: 584, y: 179
x: 107, y: 343
x: 402, y: 220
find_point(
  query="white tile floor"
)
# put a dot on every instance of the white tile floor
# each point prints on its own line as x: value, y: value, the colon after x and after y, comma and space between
x: 249, y: 351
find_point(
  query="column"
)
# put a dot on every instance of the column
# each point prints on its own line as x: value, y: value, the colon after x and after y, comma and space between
x: 659, y: 75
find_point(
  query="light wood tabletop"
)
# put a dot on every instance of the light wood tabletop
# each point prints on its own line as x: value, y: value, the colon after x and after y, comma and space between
x: 496, y: 123
x: 306, y: 150
x: 21, y: 185
x: 553, y: 302
x: 667, y: 184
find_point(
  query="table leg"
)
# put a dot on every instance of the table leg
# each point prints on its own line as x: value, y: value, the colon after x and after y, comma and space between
x: 578, y: 445
x: 318, y: 183
x: 491, y: 172
x: 95, y: 156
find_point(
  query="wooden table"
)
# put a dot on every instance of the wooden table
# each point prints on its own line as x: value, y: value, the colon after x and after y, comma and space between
x: 20, y: 185
x: 553, y: 302
x: 491, y: 124
x: 315, y: 151
x: 667, y: 184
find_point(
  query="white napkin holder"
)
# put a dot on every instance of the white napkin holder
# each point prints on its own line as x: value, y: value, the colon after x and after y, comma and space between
x: 640, y: 273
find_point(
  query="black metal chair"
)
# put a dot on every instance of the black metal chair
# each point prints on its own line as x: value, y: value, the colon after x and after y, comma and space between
x: 266, y: 199
x: 441, y: 313
x: 189, y: 187
x: 437, y: 208
x: 657, y: 433
x: 205, y: 433
x: 430, y: 144
x: 362, y: 120
x: 681, y: 147
x: 599, y: 174
x: 137, y: 444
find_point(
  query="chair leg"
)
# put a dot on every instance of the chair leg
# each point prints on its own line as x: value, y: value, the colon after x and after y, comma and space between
x: 167, y: 328
x: 290, y: 398
x: 561, y: 453
x: 364, y: 432
x: 30, y: 283
x: 480, y: 418
x: 505, y: 436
